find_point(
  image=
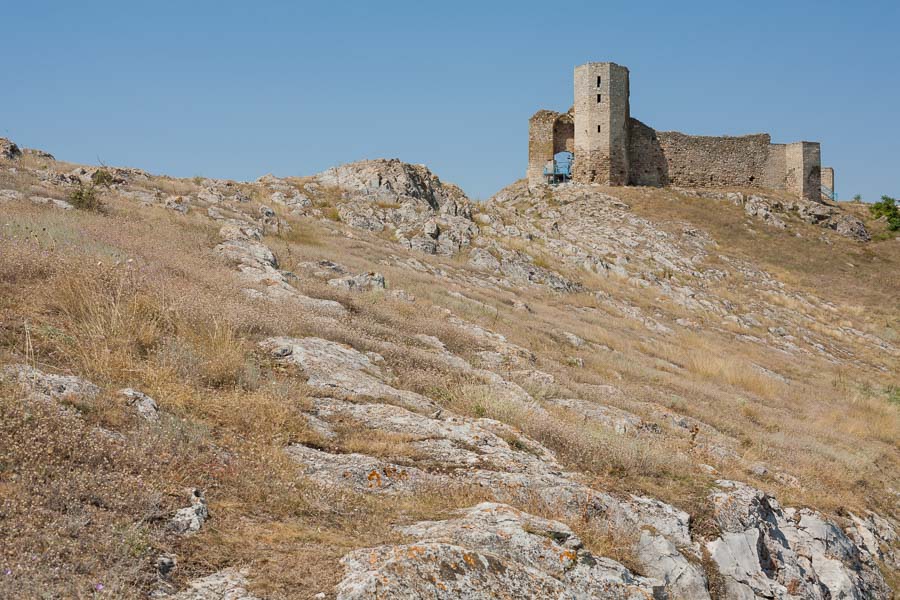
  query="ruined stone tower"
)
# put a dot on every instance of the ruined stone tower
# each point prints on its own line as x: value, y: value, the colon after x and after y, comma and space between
x: 601, y: 124
x: 803, y: 167
x: 612, y: 148
x: 828, y: 192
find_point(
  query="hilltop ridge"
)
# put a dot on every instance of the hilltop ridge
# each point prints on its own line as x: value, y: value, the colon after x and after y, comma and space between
x: 361, y: 383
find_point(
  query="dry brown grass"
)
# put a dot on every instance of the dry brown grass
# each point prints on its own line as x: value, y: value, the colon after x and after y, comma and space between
x: 82, y: 508
x: 126, y: 324
x: 617, y: 543
x: 618, y: 462
x: 331, y: 213
x: 354, y: 436
x: 850, y: 272
x: 174, y: 323
x: 709, y: 362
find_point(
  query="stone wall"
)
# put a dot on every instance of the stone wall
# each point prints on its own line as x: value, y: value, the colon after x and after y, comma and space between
x: 804, y: 170
x: 703, y: 161
x: 659, y: 158
x: 776, y: 167
x: 647, y: 161
x: 540, y: 143
x: 828, y: 178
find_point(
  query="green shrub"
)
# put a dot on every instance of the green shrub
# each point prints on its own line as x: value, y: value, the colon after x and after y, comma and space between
x: 893, y: 394
x: 86, y: 198
x: 102, y: 177
x: 887, y: 208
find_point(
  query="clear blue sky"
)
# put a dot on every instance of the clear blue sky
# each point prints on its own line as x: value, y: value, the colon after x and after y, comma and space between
x: 240, y: 89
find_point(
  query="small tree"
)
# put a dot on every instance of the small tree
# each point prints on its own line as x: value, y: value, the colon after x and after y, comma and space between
x: 857, y: 198
x: 85, y: 197
x: 103, y: 177
x: 887, y: 208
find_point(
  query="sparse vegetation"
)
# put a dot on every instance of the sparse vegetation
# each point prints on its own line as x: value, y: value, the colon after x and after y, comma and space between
x: 104, y: 298
x: 893, y: 394
x: 331, y: 213
x: 887, y: 208
x: 86, y: 197
x: 102, y: 177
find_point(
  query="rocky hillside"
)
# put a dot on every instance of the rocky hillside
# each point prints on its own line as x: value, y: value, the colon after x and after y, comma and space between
x: 360, y: 384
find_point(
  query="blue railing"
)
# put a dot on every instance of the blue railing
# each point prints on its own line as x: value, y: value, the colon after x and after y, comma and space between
x: 829, y: 193
x: 564, y: 169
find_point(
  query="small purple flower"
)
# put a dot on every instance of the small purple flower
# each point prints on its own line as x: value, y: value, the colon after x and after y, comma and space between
x: 99, y: 587
x: 8, y: 572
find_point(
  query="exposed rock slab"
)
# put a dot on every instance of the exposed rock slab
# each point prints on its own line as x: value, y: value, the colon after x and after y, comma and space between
x: 490, y: 551
x: 359, y: 283
x: 452, y: 442
x: 9, y: 150
x: 50, y: 386
x: 7, y: 195
x: 341, y: 370
x: 765, y: 551
x: 227, y: 584
x: 769, y: 208
x: 618, y: 420
x: 52, y: 202
x: 425, y: 213
x: 517, y: 469
x: 258, y: 265
x: 874, y: 535
x: 360, y: 472
x: 145, y: 406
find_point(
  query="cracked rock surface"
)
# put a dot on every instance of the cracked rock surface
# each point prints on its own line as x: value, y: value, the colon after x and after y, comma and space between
x: 491, y: 550
x: 765, y: 551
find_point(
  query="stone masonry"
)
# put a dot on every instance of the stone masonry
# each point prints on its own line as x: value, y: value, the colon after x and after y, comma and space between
x: 601, y: 123
x: 828, y: 179
x: 611, y: 148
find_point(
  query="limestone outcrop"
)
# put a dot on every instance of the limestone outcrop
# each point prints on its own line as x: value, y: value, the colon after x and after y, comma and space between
x: 766, y: 551
x: 9, y: 150
x: 49, y: 386
x: 342, y: 370
x: 359, y: 283
x: 191, y: 518
x: 489, y: 551
x: 144, y: 406
x: 491, y: 454
x: 227, y: 584
x: 582, y: 375
x: 259, y: 267
x: 773, y: 211
x: 423, y: 212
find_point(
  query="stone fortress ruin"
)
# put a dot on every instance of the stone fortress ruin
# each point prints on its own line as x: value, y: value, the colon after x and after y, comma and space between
x: 597, y: 141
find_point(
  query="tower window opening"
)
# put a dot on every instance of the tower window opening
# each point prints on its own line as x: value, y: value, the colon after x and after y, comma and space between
x: 599, y: 80
x: 599, y: 98
x: 599, y: 129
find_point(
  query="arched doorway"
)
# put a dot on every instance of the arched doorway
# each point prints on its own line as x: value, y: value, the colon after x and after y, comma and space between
x: 559, y: 169
x: 564, y: 133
